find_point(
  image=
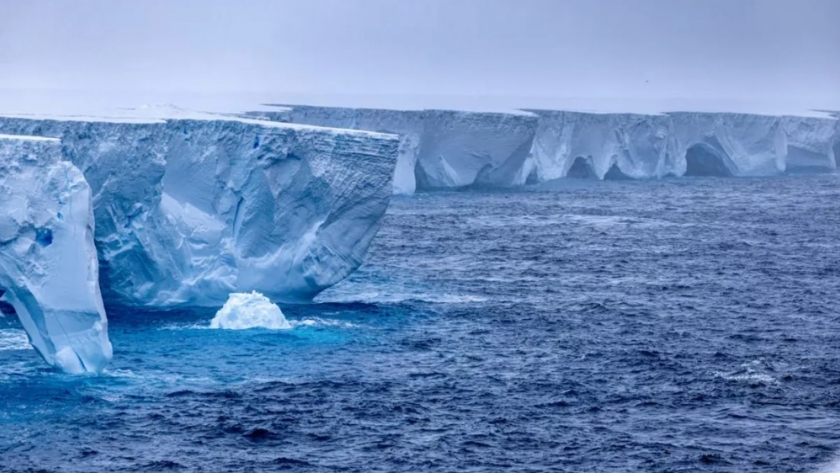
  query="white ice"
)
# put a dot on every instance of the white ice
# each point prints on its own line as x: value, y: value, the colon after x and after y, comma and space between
x: 438, y: 148
x: 249, y: 310
x: 449, y: 149
x: 189, y: 210
x: 48, y: 264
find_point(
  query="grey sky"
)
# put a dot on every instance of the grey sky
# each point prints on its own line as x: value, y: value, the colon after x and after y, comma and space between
x: 560, y: 48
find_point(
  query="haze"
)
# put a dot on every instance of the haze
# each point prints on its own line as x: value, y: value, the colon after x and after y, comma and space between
x: 642, y: 49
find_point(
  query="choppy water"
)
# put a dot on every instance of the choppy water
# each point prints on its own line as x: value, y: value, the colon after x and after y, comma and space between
x: 685, y: 325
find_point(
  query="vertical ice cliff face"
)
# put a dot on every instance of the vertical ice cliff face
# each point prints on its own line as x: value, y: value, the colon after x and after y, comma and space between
x: 438, y: 148
x: 48, y: 262
x: 449, y: 149
x: 459, y: 149
x: 284, y: 210
x: 588, y: 145
x: 407, y: 124
x: 836, y: 147
x: 190, y: 210
x: 810, y: 144
x: 614, y: 146
x: 727, y: 144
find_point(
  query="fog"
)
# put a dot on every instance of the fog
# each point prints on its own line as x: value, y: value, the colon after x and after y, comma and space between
x: 644, y: 49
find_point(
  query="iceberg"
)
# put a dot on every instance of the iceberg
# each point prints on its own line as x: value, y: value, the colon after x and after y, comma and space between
x: 438, y: 148
x: 48, y: 264
x: 191, y: 208
x: 448, y: 149
x: 622, y: 146
x: 244, y: 311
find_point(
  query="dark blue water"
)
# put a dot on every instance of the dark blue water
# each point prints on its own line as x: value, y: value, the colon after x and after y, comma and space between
x: 686, y: 325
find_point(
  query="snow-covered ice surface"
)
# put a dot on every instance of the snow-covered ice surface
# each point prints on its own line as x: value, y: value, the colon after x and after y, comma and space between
x: 48, y: 264
x: 249, y: 310
x: 192, y: 206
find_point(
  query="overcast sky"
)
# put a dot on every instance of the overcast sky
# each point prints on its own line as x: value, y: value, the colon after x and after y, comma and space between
x: 557, y: 48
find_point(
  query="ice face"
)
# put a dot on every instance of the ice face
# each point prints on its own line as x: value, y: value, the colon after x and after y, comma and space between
x: 607, y: 146
x: 438, y: 148
x: 460, y: 149
x: 407, y: 124
x: 190, y: 210
x: 249, y: 310
x: 48, y: 263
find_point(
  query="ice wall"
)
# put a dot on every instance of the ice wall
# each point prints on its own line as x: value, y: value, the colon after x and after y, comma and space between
x: 438, y: 148
x: 448, y: 149
x: 572, y: 144
x: 407, y: 124
x: 611, y: 146
x: 191, y: 210
x: 48, y: 263
x: 836, y: 147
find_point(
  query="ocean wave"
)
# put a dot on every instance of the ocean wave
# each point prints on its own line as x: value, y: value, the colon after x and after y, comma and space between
x: 381, y: 297
x: 753, y: 372
x: 13, y: 339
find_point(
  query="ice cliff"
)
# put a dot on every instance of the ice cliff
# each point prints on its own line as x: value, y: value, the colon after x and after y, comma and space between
x: 48, y: 263
x: 440, y: 149
x: 189, y: 210
x: 614, y: 146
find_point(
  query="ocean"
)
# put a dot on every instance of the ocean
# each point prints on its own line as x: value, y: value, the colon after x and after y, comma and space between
x: 677, y: 325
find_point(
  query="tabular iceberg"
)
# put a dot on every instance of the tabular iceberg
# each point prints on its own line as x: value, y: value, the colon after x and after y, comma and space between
x: 438, y: 148
x: 446, y: 149
x: 620, y: 146
x: 48, y: 263
x: 190, y: 210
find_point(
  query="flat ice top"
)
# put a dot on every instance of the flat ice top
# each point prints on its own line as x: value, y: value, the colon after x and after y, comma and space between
x: 27, y: 138
x: 287, y: 106
x: 520, y: 105
x: 84, y: 107
x: 127, y: 106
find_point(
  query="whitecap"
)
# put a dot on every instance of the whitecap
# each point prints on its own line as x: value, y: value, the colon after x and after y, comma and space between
x: 13, y: 339
x: 376, y: 297
x: 319, y: 322
x: 751, y: 373
x: 603, y: 222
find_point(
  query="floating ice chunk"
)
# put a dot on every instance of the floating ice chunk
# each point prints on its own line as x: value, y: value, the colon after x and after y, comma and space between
x: 249, y: 310
x: 48, y: 265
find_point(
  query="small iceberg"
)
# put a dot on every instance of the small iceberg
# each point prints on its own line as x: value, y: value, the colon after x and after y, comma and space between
x: 244, y: 311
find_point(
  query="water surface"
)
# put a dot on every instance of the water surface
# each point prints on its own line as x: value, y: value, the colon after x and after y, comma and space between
x: 676, y: 325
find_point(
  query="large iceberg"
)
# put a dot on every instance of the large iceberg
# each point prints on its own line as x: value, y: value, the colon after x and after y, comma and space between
x: 446, y: 149
x: 189, y: 210
x: 621, y: 146
x: 438, y: 148
x: 48, y: 263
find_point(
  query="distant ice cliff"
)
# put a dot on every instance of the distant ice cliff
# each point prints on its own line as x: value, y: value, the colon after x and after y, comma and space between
x: 445, y: 149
